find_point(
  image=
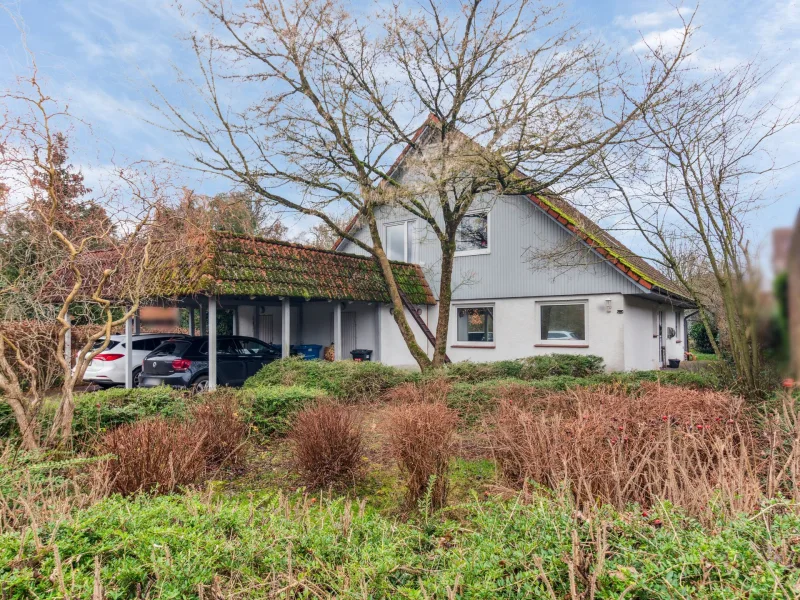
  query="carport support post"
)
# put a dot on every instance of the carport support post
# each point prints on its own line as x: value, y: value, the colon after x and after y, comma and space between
x: 212, y: 342
x: 337, y: 331
x: 129, y: 353
x: 286, y: 327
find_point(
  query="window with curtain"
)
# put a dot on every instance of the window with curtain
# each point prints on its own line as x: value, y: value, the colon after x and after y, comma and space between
x: 563, y: 322
x: 475, y: 324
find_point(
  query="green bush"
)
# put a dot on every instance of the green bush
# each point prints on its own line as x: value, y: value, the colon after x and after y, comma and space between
x: 270, y: 408
x: 572, y: 365
x: 700, y: 340
x: 529, y: 369
x: 97, y: 412
x: 345, y: 380
x: 172, y: 545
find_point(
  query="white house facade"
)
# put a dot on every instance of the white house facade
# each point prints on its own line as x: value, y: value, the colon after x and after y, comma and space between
x: 508, y: 303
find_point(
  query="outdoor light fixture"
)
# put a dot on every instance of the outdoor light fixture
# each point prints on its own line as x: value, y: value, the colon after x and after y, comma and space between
x: 608, y: 305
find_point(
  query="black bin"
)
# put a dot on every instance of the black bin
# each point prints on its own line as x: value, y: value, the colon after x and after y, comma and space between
x: 361, y: 355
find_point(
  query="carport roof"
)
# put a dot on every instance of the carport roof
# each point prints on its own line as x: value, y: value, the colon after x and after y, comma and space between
x: 229, y: 264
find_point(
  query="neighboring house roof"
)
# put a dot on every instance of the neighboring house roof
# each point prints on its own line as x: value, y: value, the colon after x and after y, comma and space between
x: 611, y: 250
x: 232, y: 265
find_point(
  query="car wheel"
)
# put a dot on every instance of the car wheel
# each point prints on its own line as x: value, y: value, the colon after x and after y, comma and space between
x: 137, y: 377
x: 200, y: 385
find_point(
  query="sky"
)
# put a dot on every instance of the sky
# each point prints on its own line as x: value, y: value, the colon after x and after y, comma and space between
x: 104, y: 56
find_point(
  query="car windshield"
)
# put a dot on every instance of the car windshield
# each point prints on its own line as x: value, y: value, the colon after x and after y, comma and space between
x: 170, y: 348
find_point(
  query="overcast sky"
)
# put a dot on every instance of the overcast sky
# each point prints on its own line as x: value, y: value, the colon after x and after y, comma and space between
x: 101, y: 55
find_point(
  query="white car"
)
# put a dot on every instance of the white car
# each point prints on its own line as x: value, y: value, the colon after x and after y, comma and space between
x: 107, y: 369
x: 562, y: 335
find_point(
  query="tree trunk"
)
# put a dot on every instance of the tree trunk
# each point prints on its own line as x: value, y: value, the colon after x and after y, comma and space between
x: 61, y: 430
x: 445, y: 298
x: 27, y: 423
x: 397, y: 303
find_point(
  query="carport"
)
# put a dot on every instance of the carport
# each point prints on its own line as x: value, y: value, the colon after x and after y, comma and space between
x: 306, y: 291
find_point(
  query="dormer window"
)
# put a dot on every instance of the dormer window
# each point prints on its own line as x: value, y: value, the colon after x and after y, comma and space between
x: 397, y: 241
x: 472, y: 236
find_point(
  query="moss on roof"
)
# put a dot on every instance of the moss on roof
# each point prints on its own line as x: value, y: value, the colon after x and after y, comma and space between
x: 228, y: 264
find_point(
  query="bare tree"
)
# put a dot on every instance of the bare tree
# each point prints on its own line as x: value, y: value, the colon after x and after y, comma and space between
x: 512, y: 98
x: 701, y: 169
x: 68, y: 259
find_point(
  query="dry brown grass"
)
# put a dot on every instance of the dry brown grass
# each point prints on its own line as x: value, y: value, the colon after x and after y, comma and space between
x: 429, y: 392
x: 327, y: 444
x: 154, y: 455
x: 697, y: 449
x: 225, y: 431
x: 421, y: 432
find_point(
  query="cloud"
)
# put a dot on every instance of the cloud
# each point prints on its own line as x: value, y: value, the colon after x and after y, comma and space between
x: 669, y: 39
x: 649, y: 20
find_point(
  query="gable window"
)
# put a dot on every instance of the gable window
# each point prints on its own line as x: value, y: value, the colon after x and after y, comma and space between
x: 563, y: 322
x: 472, y: 235
x: 397, y: 241
x: 475, y: 324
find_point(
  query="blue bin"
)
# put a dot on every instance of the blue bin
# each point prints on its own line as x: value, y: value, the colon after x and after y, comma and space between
x: 308, y: 351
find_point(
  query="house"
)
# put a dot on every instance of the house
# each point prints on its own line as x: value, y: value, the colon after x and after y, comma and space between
x: 616, y: 305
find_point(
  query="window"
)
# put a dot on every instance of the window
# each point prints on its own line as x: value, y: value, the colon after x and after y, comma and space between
x: 99, y: 343
x: 255, y: 348
x: 397, y: 242
x: 563, y: 322
x: 171, y: 348
x: 472, y: 236
x: 476, y: 324
x: 225, y: 347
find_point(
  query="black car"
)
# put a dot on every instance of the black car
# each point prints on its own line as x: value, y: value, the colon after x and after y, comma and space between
x: 184, y: 362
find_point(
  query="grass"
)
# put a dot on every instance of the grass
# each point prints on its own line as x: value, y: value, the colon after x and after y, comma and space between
x: 702, y: 356
x: 301, y: 546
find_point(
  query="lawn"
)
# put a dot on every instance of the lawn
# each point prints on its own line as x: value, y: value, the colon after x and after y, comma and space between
x: 520, y: 520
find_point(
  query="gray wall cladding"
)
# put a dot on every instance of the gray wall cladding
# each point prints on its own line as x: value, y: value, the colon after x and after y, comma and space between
x: 518, y: 230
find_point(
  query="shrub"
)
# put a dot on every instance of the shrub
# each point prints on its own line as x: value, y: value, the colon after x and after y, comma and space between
x: 700, y: 340
x: 327, y: 444
x: 154, y: 455
x: 572, y: 365
x: 270, y: 408
x: 98, y: 412
x: 529, y: 369
x: 467, y: 371
x: 219, y: 421
x: 687, y: 446
x: 345, y: 380
x: 421, y: 437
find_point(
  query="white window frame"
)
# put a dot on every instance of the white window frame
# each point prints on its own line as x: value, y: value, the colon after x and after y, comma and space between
x: 488, y: 248
x: 584, y: 343
x: 406, y: 248
x: 468, y: 344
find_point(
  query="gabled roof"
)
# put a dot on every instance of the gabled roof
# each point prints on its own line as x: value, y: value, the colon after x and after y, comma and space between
x: 609, y: 249
x: 230, y: 264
